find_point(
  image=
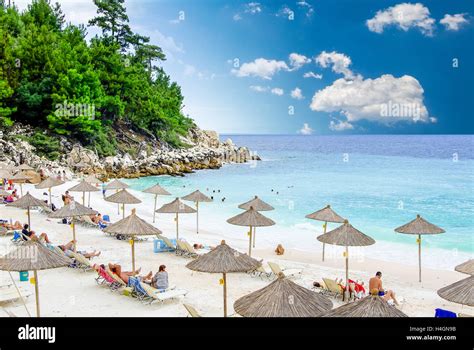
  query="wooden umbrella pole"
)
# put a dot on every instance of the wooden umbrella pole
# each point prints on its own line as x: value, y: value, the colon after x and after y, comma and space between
x: 74, y: 234
x: 197, y: 217
x: 19, y: 293
x: 225, y: 294
x: 324, y: 231
x: 250, y: 241
x: 29, y: 218
x: 154, y: 208
x: 118, y: 205
x: 123, y: 210
x: 419, y: 258
x: 177, y: 228
x: 37, y: 293
x: 83, y: 198
x: 21, y: 189
x: 50, y: 200
x: 254, y: 234
x: 89, y: 200
x: 132, y: 242
x: 346, y: 292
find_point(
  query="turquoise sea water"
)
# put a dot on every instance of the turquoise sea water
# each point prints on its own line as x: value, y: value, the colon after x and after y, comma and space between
x: 377, y: 182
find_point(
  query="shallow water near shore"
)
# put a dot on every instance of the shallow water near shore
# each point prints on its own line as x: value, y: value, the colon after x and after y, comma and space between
x: 377, y: 182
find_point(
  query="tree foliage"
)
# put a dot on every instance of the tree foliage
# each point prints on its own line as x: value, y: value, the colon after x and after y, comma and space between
x: 52, y: 77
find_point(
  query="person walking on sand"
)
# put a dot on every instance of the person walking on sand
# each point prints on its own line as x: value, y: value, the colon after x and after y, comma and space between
x: 375, y: 284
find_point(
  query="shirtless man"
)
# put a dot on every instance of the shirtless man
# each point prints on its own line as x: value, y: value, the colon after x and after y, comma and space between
x: 124, y: 275
x: 376, y: 283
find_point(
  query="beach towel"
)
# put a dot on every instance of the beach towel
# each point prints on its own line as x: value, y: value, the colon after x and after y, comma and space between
x: 440, y: 313
x: 134, y: 282
x: 105, y: 275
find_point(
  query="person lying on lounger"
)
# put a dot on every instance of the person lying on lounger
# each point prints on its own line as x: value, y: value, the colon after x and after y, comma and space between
x: 375, y: 285
x: 16, y: 226
x: 124, y: 275
x: 26, y: 233
x: 202, y: 246
x: 68, y: 249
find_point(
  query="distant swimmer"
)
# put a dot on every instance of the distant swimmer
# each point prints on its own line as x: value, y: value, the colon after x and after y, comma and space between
x: 223, y: 199
x: 219, y: 191
x: 212, y: 197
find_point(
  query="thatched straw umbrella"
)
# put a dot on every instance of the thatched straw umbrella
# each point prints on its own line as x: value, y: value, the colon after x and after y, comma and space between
x: 460, y: 292
x: 24, y: 167
x: 251, y: 218
x: 27, y: 202
x: 33, y: 256
x: 72, y: 210
x: 223, y: 259
x: 92, y: 179
x: 176, y: 207
x: 116, y: 185
x: 466, y: 267
x: 370, y: 306
x: 258, y: 205
x: 283, y: 298
x: 20, y: 178
x: 8, y: 167
x: 131, y: 227
x: 49, y: 183
x: 419, y: 226
x: 347, y: 236
x: 123, y: 197
x: 327, y: 215
x: 197, y: 197
x: 157, y: 190
x: 84, y: 187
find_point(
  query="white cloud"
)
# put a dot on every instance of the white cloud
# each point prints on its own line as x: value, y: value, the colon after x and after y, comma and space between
x: 237, y: 17
x: 454, y: 22
x: 307, y: 7
x: 259, y: 88
x: 285, y: 11
x: 385, y: 99
x: 261, y: 68
x: 297, y: 94
x: 297, y: 61
x: 340, y: 125
x: 305, y: 130
x: 277, y: 91
x: 312, y: 75
x: 253, y: 8
x: 404, y: 16
x: 337, y: 61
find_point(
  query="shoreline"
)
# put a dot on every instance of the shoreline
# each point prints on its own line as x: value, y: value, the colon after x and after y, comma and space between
x: 82, y: 297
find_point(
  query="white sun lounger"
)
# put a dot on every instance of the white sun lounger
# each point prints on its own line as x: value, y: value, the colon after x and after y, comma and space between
x: 276, y: 269
x: 156, y: 295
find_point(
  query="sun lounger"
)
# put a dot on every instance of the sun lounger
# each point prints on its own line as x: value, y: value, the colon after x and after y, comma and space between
x: 276, y: 269
x: 181, y: 249
x: 161, y: 296
x: 191, y: 310
x: 261, y: 272
x: 168, y: 243
x: 194, y: 252
x: 332, y: 288
x: 81, y: 261
x: 86, y: 220
x: 11, y: 295
x: 120, y: 283
x: 464, y: 315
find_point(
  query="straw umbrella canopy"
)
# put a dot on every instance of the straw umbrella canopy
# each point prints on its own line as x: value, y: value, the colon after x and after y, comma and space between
x: 157, y: 190
x: 460, y: 292
x: 49, y: 183
x: 283, y: 298
x: 346, y: 235
x: 116, y: 185
x: 466, y: 267
x: 123, y: 197
x: 20, y: 178
x: 131, y: 227
x: 258, y: 205
x: 33, y: 256
x: 72, y: 210
x: 370, y: 306
x: 27, y: 202
x: 24, y: 167
x: 8, y: 167
x: 251, y: 218
x: 92, y: 179
x: 223, y: 259
x: 176, y: 207
x: 84, y: 187
x: 419, y: 226
x: 327, y: 215
x: 197, y: 197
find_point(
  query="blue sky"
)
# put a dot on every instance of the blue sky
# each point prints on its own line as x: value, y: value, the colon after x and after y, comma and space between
x: 374, y: 66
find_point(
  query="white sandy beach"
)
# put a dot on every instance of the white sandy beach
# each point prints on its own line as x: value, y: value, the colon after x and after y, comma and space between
x: 70, y: 292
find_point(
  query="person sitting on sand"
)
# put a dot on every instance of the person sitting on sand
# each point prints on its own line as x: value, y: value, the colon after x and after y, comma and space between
x: 124, y: 275
x: 68, y: 249
x: 375, y: 285
x: 279, y: 250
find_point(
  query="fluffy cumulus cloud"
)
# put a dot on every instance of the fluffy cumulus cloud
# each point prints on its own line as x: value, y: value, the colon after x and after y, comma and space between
x: 312, y: 75
x: 305, y: 130
x: 259, y: 88
x: 277, y: 91
x: 297, y: 61
x: 338, y: 62
x: 454, y: 22
x: 340, y: 125
x: 297, y: 94
x: 403, y: 16
x: 386, y: 99
x: 261, y: 68
x: 251, y: 8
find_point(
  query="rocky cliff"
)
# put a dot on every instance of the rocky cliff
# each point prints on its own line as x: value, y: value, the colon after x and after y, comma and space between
x: 137, y: 155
